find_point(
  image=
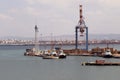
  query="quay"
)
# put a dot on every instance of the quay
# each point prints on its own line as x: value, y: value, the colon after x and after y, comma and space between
x: 101, y: 64
x: 76, y: 52
x: 93, y: 52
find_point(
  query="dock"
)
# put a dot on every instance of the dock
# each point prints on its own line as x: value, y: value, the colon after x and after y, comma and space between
x: 101, y: 63
x: 97, y: 51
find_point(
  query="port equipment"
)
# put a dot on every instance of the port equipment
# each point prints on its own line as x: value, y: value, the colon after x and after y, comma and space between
x: 36, y: 39
x: 83, y: 30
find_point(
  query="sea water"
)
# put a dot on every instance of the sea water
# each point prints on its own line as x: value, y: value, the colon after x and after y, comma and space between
x: 15, y: 66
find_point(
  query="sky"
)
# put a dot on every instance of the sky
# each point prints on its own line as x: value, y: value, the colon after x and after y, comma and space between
x: 58, y: 17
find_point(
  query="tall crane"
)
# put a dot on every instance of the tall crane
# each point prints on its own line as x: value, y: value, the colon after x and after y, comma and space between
x: 36, y: 39
x: 82, y: 28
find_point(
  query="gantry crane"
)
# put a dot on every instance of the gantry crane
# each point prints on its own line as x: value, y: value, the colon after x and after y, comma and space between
x: 82, y: 29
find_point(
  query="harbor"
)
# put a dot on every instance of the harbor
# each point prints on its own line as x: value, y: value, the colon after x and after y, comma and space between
x: 81, y: 31
x: 59, y: 40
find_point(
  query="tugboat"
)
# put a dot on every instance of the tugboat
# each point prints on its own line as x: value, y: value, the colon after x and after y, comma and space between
x: 50, y: 54
x: 53, y: 54
x: 62, y: 54
x: 107, y: 53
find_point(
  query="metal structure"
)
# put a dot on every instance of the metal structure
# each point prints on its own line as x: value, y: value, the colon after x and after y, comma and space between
x: 82, y: 28
x: 36, y: 39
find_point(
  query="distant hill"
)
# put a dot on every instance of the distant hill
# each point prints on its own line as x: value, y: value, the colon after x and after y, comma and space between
x: 69, y: 37
x: 104, y: 36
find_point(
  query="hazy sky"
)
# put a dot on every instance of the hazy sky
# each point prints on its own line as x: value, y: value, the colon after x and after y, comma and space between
x: 18, y: 17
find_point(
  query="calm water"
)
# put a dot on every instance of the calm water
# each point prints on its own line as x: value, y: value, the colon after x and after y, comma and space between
x: 15, y: 66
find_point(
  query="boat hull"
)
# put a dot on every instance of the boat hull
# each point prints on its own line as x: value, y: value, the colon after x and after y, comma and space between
x: 50, y: 57
x: 107, y: 56
x: 62, y: 56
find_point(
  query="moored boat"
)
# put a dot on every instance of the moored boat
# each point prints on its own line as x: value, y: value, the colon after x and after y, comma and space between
x: 50, y: 57
x: 107, y: 54
x: 53, y: 54
x: 32, y: 52
x: 62, y: 54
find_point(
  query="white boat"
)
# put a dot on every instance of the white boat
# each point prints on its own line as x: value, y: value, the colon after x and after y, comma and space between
x: 62, y: 54
x: 50, y: 57
x: 46, y: 52
x: 53, y: 54
x: 107, y: 54
x: 50, y: 54
x: 33, y: 52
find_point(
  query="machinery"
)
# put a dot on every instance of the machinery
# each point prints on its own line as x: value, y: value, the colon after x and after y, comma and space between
x: 36, y: 39
x: 83, y: 29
